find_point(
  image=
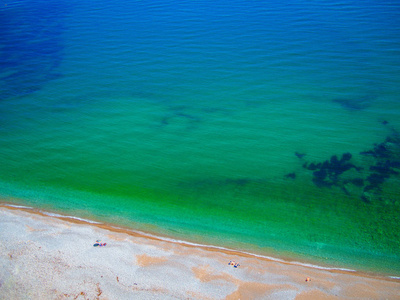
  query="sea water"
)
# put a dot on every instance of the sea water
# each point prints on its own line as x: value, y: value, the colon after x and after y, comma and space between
x: 267, y: 127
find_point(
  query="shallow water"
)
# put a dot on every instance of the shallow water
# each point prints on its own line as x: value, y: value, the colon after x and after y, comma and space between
x: 210, y: 122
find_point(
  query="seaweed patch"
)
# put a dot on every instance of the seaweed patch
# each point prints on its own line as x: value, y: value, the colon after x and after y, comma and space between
x: 299, y: 155
x: 383, y: 162
x: 355, y: 103
x: 328, y: 173
x: 177, y: 115
x: 291, y: 175
x: 386, y: 160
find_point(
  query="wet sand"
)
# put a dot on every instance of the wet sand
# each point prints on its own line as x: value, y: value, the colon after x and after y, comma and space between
x: 47, y: 257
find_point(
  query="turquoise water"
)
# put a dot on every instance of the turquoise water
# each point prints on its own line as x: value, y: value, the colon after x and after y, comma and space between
x: 216, y: 122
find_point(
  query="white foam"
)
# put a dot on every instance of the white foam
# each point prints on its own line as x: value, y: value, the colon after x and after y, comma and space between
x: 18, y: 206
x: 182, y: 242
x: 85, y: 220
x: 53, y: 214
x: 68, y: 217
x: 395, y: 277
x: 249, y: 253
x: 322, y: 268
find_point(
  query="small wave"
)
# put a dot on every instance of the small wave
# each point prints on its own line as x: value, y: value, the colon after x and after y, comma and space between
x: 81, y: 219
x: 68, y: 217
x: 254, y: 255
x: 248, y: 253
x: 298, y: 263
x: 182, y: 242
x: 322, y: 268
x: 394, y: 277
x: 18, y: 206
x: 52, y: 214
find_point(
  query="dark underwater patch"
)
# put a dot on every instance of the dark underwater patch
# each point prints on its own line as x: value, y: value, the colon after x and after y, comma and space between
x: 299, y: 155
x: 355, y: 103
x: 191, y: 120
x: 384, y: 162
x: 327, y: 173
x: 32, y: 47
x: 291, y: 175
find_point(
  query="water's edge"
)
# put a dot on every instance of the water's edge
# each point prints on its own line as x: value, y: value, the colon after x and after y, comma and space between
x: 155, y: 235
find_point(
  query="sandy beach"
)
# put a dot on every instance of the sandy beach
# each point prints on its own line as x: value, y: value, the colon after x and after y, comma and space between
x: 50, y: 257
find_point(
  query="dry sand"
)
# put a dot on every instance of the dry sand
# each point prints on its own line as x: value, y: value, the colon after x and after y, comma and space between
x: 44, y: 257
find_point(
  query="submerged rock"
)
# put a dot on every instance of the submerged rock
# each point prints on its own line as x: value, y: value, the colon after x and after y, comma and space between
x: 355, y: 103
x: 346, y: 156
x: 366, y: 182
x: 380, y: 151
x: 387, y: 159
x: 328, y: 172
x: 291, y: 175
x: 299, y: 155
x: 357, y: 182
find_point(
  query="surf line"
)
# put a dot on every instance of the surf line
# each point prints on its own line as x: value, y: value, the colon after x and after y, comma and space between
x: 213, y: 248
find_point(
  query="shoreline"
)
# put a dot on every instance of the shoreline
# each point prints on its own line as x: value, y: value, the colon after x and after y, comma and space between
x: 42, y: 255
x: 212, y: 248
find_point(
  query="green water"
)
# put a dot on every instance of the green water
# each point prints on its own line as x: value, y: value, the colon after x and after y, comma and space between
x: 218, y: 179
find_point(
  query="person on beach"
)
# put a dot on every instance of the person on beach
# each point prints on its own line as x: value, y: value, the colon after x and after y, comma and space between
x: 99, y: 244
x: 234, y: 264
